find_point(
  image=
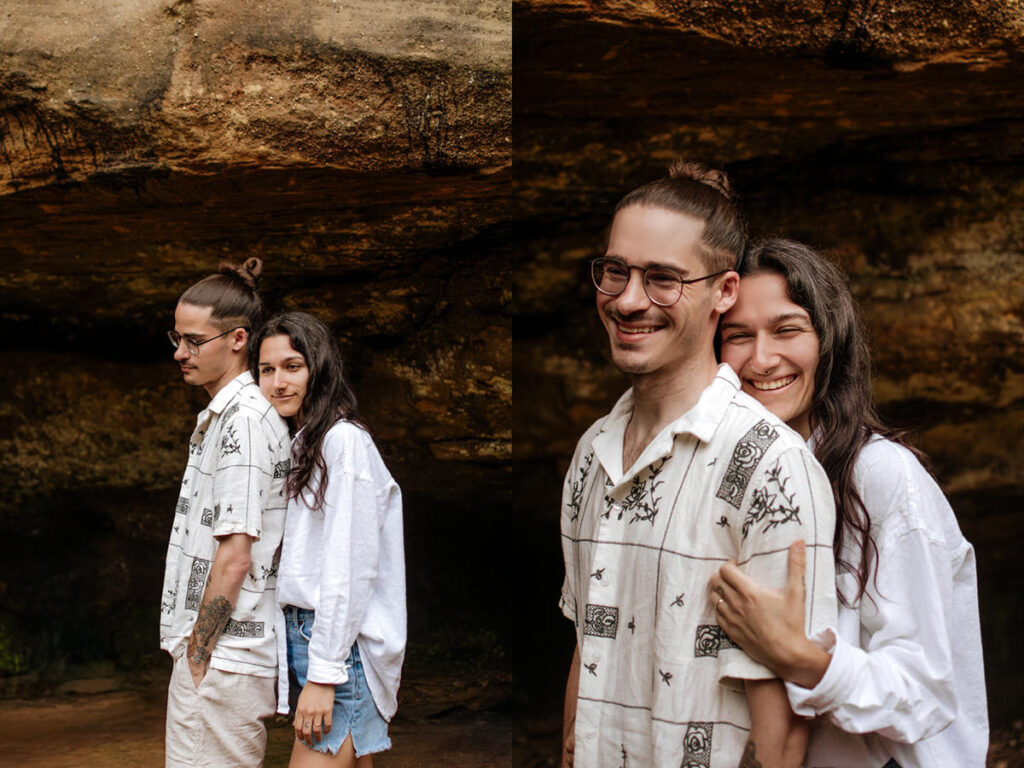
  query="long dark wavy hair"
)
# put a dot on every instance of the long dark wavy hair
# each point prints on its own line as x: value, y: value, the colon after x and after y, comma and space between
x: 329, y: 397
x: 843, y: 416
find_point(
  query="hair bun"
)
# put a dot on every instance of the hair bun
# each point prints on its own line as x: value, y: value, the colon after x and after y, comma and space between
x: 254, y: 266
x: 702, y: 174
x: 248, y: 271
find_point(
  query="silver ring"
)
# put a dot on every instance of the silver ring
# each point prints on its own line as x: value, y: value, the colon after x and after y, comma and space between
x: 720, y: 601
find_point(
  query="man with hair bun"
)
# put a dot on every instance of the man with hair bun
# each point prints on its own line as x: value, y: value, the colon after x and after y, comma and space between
x: 686, y: 473
x: 218, y: 607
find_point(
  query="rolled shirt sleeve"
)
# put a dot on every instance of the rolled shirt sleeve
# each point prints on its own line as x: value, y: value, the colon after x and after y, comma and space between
x: 901, y: 684
x: 242, y: 480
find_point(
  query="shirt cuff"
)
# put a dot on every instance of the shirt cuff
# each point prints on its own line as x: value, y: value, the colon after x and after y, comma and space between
x: 327, y: 672
x: 736, y: 667
x: 810, y: 702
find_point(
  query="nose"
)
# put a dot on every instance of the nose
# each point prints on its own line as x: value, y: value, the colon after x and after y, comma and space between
x: 181, y: 353
x: 278, y: 381
x: 765, y: 356
x: 633, y: 297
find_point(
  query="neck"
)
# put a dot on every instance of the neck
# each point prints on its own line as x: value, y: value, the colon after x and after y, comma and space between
x: 213, y: 387
x: 661, y: 397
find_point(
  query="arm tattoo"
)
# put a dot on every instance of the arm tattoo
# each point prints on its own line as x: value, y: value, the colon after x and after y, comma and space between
x: 749, y: 760
x: 213, y: 617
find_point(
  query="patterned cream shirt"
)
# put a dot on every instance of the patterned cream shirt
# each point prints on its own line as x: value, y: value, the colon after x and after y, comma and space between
x: 234, y: 483
x: 660, y: 683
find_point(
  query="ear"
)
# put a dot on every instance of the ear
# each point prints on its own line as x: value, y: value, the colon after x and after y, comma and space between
x: 239, y: 340
x: 726, y: 292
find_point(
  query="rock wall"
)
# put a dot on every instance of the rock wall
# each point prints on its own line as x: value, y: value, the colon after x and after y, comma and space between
x: 889, y: 135
x: 363, y: 151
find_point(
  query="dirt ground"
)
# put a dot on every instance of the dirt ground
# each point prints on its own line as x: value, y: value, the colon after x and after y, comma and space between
x: 125, y: 729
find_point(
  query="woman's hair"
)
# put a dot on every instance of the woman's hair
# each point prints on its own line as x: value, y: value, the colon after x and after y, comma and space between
x: 843, y: 416
x: 704, y: 194
x: 232, y: 295
x: 329, y: 396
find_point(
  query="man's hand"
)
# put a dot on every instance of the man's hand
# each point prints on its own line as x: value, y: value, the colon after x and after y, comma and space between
x: 198, y: 664
x: 313, y: 713
x: 230, y: 566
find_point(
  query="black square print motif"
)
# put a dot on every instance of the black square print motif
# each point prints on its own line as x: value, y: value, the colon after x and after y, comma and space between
x: 710, y: 640
x: 196, y: 583
x: 745, y: 458
x: 697, y: 745
x: 601, y: 620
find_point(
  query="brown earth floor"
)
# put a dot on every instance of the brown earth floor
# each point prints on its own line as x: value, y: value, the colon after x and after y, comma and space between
x: 444, y: 726
x: 124, y: 729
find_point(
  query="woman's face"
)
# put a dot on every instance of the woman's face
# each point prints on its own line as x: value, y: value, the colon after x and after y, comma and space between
x: 283, y: 376
x: 771, y: 344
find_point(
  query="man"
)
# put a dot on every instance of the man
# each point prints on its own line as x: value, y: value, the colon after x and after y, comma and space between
x: 217, y: 615
x: 685, y: 473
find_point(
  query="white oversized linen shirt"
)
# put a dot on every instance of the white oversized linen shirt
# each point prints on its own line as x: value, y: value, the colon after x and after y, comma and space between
x: 906, y: 680
x: 234, y: 483
x: 347, y: 563
x: 660, y: 683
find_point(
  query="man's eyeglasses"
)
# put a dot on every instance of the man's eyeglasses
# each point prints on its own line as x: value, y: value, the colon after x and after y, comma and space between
x: 191, y: 344
x: 662, y: 285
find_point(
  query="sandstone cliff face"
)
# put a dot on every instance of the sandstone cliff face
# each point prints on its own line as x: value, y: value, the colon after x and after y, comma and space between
x: 362, y: 150
x: 889, y: 135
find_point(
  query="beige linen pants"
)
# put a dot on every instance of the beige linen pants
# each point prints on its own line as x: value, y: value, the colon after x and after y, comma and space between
x: 220, y: 723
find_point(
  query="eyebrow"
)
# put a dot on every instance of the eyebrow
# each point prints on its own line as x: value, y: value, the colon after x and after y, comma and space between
x: 650, y: 265
x: 786, y: 316
x: 287, y: 360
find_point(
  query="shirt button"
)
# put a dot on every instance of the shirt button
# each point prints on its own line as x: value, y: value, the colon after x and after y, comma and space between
x: 591, y: 735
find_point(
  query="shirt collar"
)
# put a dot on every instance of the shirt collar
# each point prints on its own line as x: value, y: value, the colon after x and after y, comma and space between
x: 228, y: 391
x: 701, y: 421
x: 218, y: 404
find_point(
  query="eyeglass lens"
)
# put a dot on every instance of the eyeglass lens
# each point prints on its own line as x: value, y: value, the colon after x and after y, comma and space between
x: 663, y: 286
x: 176, y: 340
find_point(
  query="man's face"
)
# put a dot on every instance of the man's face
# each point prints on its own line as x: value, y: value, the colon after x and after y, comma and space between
x: 647, y: 338
x: 217, y: 361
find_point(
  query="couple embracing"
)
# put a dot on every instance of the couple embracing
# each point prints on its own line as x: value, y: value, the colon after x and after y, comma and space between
x: 760, y: 573
x: 285, y: 562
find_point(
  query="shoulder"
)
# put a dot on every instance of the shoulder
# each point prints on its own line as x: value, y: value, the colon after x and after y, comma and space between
x: 748, y: 425
x: 900, y: 494
x: 584, y: 444
x: 250, y: 404
x: 887, y: 468
x: 350, y: 446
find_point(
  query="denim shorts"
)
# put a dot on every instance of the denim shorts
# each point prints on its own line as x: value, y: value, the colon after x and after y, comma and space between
x: 354, y: 711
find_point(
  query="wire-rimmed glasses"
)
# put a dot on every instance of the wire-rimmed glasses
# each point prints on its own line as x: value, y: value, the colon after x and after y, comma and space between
x: 663, y: 285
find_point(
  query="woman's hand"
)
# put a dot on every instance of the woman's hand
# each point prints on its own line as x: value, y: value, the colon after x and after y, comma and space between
x: 768, y: 624
x: 313, y: 712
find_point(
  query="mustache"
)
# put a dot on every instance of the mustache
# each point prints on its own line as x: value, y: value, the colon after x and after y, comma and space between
x: 643, y: 316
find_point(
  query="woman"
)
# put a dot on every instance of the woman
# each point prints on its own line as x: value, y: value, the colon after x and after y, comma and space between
x: 341, y: 579
x: 898, y: 680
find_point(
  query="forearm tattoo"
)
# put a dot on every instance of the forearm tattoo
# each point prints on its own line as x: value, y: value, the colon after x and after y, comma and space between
x: 749, y: 760
x: 213, y: 617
